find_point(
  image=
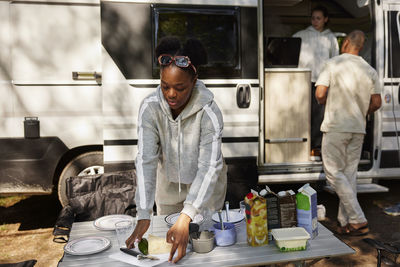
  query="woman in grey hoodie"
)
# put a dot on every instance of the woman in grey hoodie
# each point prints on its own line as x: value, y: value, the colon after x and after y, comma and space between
x: 179, y: 164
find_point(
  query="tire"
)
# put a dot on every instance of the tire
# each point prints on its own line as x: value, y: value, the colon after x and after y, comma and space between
x: 88, y: 163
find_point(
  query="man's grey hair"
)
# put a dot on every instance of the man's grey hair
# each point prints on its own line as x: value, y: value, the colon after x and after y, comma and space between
x: 356, y: 38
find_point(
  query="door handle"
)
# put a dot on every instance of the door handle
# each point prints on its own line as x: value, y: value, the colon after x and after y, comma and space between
x: 86, y: 75
x: 286, y: 140
x: 243, y: 95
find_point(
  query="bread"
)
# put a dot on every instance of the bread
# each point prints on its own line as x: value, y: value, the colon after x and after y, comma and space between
x: 158, y: 245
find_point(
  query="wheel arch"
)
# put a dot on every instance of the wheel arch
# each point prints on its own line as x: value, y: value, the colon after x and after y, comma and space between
x: 68, y: 156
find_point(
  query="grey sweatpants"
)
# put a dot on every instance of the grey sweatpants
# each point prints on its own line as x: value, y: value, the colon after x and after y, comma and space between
x: 341, y: 155
x: 169, y: 200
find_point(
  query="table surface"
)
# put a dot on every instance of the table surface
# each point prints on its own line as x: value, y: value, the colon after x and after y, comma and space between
x: 240, y: 254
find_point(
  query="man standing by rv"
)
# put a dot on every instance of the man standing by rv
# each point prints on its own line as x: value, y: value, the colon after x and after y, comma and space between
x: 349, y: 87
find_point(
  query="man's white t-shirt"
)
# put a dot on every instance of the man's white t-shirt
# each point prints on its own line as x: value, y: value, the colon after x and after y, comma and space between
x: 351, y: 81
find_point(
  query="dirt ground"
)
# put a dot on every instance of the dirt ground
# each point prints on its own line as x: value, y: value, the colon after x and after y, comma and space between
x: 26, y: 228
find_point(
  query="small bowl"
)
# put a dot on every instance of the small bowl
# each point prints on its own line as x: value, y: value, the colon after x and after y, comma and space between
x: 173, y: 217
x: 202, y: 242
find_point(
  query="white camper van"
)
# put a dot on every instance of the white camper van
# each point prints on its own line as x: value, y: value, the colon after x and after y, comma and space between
x: 73, y: 73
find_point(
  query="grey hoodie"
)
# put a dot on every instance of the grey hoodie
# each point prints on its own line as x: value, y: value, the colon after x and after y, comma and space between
x: 188, y: 149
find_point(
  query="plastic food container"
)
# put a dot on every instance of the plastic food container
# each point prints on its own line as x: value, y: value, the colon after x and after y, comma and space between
x: 290, y: 239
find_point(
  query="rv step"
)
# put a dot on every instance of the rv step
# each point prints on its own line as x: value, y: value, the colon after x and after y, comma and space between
x: 362, y: 188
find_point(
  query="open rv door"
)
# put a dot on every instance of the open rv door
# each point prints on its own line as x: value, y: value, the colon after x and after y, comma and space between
x: 388, y: 17
x: 285, y: 102
x: 285, y: 154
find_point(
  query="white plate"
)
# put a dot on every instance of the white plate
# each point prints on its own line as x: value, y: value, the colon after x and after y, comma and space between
x: 172, y: 218
x: 87, y: 245
x: 108, y: 222
x: 234, y: 216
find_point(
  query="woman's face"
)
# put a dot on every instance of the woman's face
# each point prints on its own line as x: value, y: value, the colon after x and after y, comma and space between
x: 318, y: 20
x: 176, y: 86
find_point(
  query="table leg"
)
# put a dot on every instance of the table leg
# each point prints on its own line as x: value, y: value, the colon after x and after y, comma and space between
x: 299, y: 263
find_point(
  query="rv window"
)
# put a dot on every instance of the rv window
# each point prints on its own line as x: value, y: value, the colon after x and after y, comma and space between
x: 217, y: 29
x: 394, y: 45
x: 282, y: 52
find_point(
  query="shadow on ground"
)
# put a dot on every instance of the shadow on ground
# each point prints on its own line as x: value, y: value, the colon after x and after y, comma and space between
x: 32, y: 213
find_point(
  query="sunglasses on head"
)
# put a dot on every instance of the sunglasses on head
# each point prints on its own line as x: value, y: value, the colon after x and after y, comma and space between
x: 179, y: 61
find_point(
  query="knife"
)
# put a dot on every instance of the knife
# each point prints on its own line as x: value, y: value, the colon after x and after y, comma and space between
x: 138, y: 255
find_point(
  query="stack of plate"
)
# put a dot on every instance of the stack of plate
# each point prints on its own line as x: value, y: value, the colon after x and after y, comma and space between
x: 87, y: 245
x: 107, y: 223
x: 172, y: 218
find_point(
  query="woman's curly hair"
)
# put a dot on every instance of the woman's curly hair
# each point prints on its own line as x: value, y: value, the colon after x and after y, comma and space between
x: 192, y: 48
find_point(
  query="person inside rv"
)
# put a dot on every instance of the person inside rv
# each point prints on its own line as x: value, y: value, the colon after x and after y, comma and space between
x: 179, y: 163
x: 318, y: 44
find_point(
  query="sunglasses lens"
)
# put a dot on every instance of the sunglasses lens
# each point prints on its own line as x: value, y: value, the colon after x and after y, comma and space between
x: 165, y: 60
x: 181, y: 62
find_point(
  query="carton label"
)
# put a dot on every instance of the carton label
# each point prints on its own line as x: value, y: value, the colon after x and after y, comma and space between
x: 273, y: 212
x: 287, y: 201
x: 307, y: 216
x: 256, y: 220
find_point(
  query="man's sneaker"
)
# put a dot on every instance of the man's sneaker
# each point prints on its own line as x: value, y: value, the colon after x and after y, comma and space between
x: 393, y: 210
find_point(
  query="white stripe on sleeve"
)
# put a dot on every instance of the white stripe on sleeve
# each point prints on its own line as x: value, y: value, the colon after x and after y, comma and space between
x: 213, y: 159
x: 139, y: 160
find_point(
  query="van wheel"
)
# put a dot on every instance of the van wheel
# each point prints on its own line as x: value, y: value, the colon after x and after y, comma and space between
x: 89, y: 163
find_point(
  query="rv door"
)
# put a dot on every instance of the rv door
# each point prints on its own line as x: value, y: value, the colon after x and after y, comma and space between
x: 390, y: 153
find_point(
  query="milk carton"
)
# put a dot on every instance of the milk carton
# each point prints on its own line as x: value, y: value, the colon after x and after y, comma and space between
x: 273, y: 213
x: 287, y: 208
x: 307, y: 215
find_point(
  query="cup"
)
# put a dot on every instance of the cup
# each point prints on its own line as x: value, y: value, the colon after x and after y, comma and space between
x: 321, y: 212
x: 123, y: 229
x: 224, y: 237
x: 207, y: 217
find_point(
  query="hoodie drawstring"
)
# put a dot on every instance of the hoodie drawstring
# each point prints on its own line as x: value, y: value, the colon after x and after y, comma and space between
x: 179, y: 155
x: 166, y: 151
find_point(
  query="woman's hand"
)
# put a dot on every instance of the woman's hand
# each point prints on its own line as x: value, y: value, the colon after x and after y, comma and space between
x: 178, y: 235
x: 140, y: 229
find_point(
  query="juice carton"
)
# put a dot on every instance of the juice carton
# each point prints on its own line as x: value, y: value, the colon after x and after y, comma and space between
x: 256, y: 220
x: 287, y: 207
x: 307, y: 212
x: 273, y: 213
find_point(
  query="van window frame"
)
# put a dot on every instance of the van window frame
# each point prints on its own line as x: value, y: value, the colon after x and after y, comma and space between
x: 392, y: 44
x: 209, y: 70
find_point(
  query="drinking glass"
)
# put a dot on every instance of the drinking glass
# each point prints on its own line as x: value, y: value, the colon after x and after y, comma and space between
x: 207, y: 216
x: 124, y: 229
